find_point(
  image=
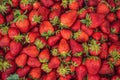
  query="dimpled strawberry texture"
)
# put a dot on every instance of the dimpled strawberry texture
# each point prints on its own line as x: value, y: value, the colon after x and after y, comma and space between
x: 60, y: 40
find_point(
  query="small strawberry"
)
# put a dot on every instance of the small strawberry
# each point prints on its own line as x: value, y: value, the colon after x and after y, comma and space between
x: 76, y: 61
x: 66, y: 34
x: 10, y: 17
x: 115, y: 27
x: 44, y: 55
x: 76, y: 48
x: 23, y: 71
x: 68, y: 18
x: 9, y: 56
x: 35, y: 73
x: 118, y: 14
x: 2, y: 19
x: 73, y: 5
x: 31, y: 51
x: 113, y: 37
x: 51, y: 76
x: 81, y: 36
x: 63, y: 48
x: 53, y: 40
x: 15, y: 3
x: 76, y: 26
x: 47, y: 3
x: 54, y: 62
x: 93, y: 65
x: 46, y: 29
x: 93, y: 77
x: 116, y: 77
x: 33, y: 62
x: 93, y: 2
x: 4, y: 41
x: 111, y: 17
x: 97, y: 36
x: 21, y: 60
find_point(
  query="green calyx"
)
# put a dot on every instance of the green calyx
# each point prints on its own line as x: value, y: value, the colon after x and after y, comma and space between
x: 39, y: 44
x: 81, y: 11
x: 45, y: 68
x: 43, y: 60
x: 3, y: 8
x: 55, y: 21
x: 87, y: 21
x: 65, y: 54
x: 26, y: 2
x: 13, y: 77
x: 47, y: 34
x: 18, y: 38
x: 94, y: 46
x: 86, y: 48
x: 76, y: 34
x: 63, y: 70
x: 93, y: 57
x: 61, y: 26
x: 54, y: 52
x: 4, y: 65
x: 74, y: 64
x: 36, y: 18
x: 65, y: 3
x: 78, y: 54
x: 4, y: 29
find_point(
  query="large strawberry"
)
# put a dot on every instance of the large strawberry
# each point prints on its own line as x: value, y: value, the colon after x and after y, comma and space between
x: 68, y: 18
x: 93, y: 64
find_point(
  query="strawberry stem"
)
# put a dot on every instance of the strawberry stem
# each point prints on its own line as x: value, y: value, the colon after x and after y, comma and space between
x: 65, y: 3
x: 45, y: 68
x: 47, y: 34
x: 18, y: 38
x: 76, y: 34
x: 55, y: 21
x: 39, y: 44
x: 36, y: 19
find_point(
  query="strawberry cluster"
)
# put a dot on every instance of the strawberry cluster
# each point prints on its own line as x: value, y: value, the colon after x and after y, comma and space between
x: 59, y: 39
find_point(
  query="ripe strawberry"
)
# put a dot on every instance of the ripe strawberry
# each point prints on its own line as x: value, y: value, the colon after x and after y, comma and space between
x: 44, y: 55
x: 93, y: 65
x: 21, y: 60
x: 93, y: 77
x: 76, y: 26
x: 81, y: 72
x: 53, y: 40
x: 15, y: 3
x: 93, y: 2
x: 113, y: 37
x: 118, y: 14
x: 4, y: 41
x: 73, y: 5
x: 76, y: 61
x: 80, y: 3
x: 81, y: 36
x: 82, y: 13
x: 2, y: 52
x: 10, y: 17
x: 9, y: 56
x: 4, y: 76
x: 76, y: 48
x: 63, y: 48
x: 66, y: 34
x: 115, y: 27
x: 51, y: 76
x: 36, y: 5
x: 67, y: 77
x: 23, y: 71
x: 47, y: 3
x: 103, y: 8
x: 111, y: 17
x: 116, y: 77
x: 31, y: 51
x: 35, y: 73
x: 15, y: 48
x: 68, y: 18
x: 97, y: 36
x: 54, y: 62
x: 46, y: 29
x: 33, y: 62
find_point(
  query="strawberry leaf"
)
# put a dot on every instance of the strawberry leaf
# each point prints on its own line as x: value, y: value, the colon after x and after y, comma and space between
x: 13, y: 77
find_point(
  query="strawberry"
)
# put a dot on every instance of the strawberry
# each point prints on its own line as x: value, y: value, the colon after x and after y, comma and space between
x: 93, y: 65
x: 21, y: 60
x: 76, y: 48
x: 103, y: 8
x: 53, y: 40
x: 93, y: 77
x: 116, y: 77
x: 46, y: 29
x: 35, y: 73
x: 63, y: 48
x: 106, y: 68
x: 76, y: 26
x: 115, y: 28
x: 66, y: 34
x: 15, y: 48
x: 76, y: 61
x: 4, y: 29
x: 54, y: 63
x: 94, y: 48
x: 80, y: 3
x: 111, y: 17
x: 67, y: 77
x: 118, y: 14
x: 68, y: 18
x: 33, y: 62
x: 51, y: 76
x: 44, y: 55
x: 31, y: 51
x: 47, y: 3
x: 44, y: 12
x: 34, y: 18
x: 9, y: 56
x: 15, y: 3
x: 73, y: 5
x: 81, y: 72
x: 81, y: 36
x: 23, y: 71
x: 82, y: 13
x: 36, y: 5
x: 4, y: 76
x: 113, y: 37
x: 95, y: 36
x: 10, y: 17
x: 4, y: 41
x: 93, y: 2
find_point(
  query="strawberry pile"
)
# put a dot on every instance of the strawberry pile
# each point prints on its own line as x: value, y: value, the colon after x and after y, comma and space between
x: 59, y: 39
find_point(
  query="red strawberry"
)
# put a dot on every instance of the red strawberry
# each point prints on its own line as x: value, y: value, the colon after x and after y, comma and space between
x: 31, y: 51
x: 93, y: 65
x: 46, y: 29
x: 73, y: 5
x: 81, y: 72
x: 4, y: 76
x: 104, y: 78
x: 93, y: 77
x: 2, y: 19
x: 81, y: 36
x: 66, y: 34
x: 112, y: 3
x: 35, y: 73
x: 36, y: 5
x: 118, y: 14
x: 15, y: 48
x: 93, y: 2
x: 44, y: 12
x: 47, y: 3
x: 63, y: 48
x: 45, y: 68
x: 97, y: 36
x: 4, y: 41
x: 33, y: 62
x: 80, y: 3
x: 82, y: 13
x: 44, y: 55
x: 116, y: 77
x: 68, y: 18
x: 9, y: 56
x: 21, y: 60
x: 113, y: 37
x: 67, y: 77
x: 51, y: 76
x: 76, y: 26
x: 53, y: 40
x: 111, y: 17
x: 115, y: 27
x: 106, y: 68
x: 23, y: 71
x: 15, y: 3
x: 76, y: 61
x: 2, y: 53
x: 9, y: 17
x: 103, y: 8
x: 54, y: 62
x: 76, y: 48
